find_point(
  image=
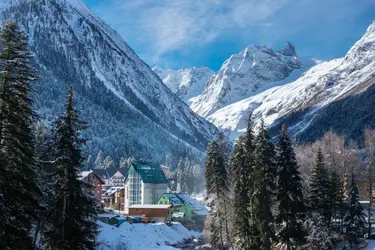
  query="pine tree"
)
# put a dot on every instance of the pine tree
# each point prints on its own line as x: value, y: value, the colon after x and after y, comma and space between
x: 108, y: 162
x: 354, y: 221
x: 320, y: 188
x: 240, y: 175
x: 217, y: 192
x: 264, y: 181
x: 245, y: 192
x: 289, y: 192
x: 19, y: 192
x: 99, y: 162
x: 72, y: 220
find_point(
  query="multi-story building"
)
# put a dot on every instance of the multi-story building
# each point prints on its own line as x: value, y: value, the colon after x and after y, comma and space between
x: 145, y: 183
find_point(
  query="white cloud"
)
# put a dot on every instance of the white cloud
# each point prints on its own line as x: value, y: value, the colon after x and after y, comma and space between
x: 168, y: 25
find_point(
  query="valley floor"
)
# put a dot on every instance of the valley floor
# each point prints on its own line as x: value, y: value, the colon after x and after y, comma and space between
x: 141, y: 236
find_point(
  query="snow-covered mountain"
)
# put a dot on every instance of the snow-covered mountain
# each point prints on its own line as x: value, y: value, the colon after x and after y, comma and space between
x: 187, y: 83
x: 129, y: 109
x: 338, y: 94
x: 245, y: 74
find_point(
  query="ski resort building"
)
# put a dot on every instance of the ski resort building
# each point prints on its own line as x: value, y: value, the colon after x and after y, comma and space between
x: 145, y: 183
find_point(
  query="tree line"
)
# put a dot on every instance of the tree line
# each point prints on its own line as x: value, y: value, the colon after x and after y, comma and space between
x: 43, y: 202
x: 259, y: 199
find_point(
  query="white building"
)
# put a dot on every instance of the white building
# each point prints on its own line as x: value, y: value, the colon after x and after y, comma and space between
x: 145, y: 183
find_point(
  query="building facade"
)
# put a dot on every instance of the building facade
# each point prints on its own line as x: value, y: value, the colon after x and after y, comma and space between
x: 144, y: 184
x: 97, y: 184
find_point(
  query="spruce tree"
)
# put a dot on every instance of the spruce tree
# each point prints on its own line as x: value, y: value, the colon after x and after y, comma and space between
x: 20, y: 195
x: 72, y: 220
x: 320, y: 189
x: 240, y: 175
x: 354, y: 221
x: 217, y: 193
x: 265, y: 186
x: 289, y: 192
x: 248, y: 205
x: 99, y: 162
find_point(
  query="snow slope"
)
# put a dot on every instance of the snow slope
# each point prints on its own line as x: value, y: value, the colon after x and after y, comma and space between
x: 187, y: 83
x: 243, y: 75
x: 141, y: 236
x: 319, y: 87
x: 129, y: 110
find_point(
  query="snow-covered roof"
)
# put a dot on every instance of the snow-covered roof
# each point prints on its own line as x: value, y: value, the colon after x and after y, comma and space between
x: 113, y: 190
x: 150, y: 206
x: 174, y: 199
x: 180, y: 199
x: 191, y: 202
x: 84, y: 174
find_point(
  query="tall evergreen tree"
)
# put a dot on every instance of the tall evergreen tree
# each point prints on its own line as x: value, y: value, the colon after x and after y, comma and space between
x: 245, y: 191
x: 240, y: 175
x: 72, y: 220
x: 289, y: 191
x: 265, y: 186
x: 320, y: 188
x: 217, y: 192
x: 19, y: 193
x: 354, y: 221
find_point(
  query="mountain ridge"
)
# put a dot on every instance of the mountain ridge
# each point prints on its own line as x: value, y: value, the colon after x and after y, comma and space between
x: 300, y: 102
x: 119, y: 94
x: 243, y: 74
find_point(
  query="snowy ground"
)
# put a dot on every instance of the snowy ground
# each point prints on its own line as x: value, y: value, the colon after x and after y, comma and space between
x: 142, y: 237
x: 370, y: 245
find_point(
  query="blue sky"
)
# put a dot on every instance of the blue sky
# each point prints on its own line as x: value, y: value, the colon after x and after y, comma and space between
x: 185, y: 33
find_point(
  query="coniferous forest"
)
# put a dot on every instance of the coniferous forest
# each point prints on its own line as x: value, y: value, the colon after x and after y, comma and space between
x: 274, y: 194
x: 43, y: 203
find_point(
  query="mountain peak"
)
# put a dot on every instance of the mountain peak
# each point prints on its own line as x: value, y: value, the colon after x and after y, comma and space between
x: 288, y: 50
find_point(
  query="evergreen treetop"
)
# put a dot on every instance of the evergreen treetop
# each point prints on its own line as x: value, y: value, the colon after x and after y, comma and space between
x: 320, y: 188
x: 289, y: 191
x: 354, y: 220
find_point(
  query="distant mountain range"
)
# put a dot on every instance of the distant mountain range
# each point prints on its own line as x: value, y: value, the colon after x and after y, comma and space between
x: 279, y: 87
x: 129, y: 110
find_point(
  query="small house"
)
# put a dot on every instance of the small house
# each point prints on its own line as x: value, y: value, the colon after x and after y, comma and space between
x: 184, y: 207
x: 144, y: 184
x: 159, y: 213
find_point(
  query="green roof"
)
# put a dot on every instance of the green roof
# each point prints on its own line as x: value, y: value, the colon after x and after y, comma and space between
x: 150, y: 172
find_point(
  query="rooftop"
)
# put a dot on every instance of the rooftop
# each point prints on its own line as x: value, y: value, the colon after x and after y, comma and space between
x: 150, y: 206
x: 150, y: 172
x: 113, y: 190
